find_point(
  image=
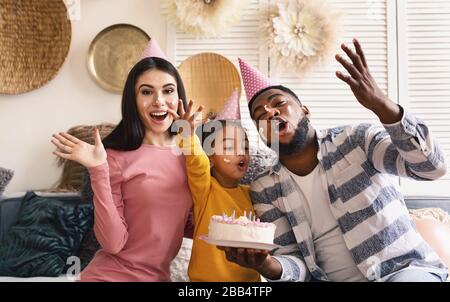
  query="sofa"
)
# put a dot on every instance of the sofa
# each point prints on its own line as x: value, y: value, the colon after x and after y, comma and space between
x: 10, y: 207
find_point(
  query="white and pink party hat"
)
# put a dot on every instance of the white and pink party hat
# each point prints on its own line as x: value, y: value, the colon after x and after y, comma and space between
x: 153, y: 50
x: 231, y: 109
x: 254, y: 80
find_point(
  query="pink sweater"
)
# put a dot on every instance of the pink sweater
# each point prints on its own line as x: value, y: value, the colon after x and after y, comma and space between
x: 142, y: 204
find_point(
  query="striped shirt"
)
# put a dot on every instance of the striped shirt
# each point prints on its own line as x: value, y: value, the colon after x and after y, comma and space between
x: 358, y: 162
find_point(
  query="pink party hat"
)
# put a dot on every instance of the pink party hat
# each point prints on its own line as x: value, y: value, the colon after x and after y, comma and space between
x: 254, y: 80
x: 153, y: 50
x: 231, y: 109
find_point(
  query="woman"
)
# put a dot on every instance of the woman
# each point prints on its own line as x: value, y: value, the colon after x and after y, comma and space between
x: 141, y: 196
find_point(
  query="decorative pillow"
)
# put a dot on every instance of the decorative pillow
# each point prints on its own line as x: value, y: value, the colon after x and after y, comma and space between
x: 179, y: 265
x: 88, y: 247
x: 47, y: 232
x: 87, y: 195
x: 261, y: 156
x: 5, y: 177
x: 439, y: 244
x: 432, y: 213
x: 259, y: 162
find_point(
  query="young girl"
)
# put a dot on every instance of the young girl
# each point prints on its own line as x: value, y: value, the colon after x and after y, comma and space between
x: 214, y: 184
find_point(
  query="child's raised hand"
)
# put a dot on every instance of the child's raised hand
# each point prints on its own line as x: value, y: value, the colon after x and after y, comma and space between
x: 188, y: 118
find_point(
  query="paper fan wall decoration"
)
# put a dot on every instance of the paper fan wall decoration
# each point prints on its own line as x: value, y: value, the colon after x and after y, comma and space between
x: 301, y: 33
x: 203, y: 18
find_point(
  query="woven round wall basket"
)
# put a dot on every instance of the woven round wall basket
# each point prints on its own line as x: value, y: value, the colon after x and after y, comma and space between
x: 112, y: 54
x: 34, y: 42
x: 209, y: 80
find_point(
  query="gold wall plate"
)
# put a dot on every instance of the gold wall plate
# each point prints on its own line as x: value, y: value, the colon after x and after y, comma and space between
x: 112, y: 54
x: 35, y: 39
x: 209, y: 80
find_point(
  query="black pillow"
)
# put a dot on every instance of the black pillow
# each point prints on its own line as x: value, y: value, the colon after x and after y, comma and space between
x: 87, y: 195
x: 47, y: 232
x: 89, y: 246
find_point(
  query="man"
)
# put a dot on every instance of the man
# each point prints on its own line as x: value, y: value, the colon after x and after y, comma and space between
x: 339, y: 216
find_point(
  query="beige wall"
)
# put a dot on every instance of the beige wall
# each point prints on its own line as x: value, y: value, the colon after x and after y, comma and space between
x: 72, y: 98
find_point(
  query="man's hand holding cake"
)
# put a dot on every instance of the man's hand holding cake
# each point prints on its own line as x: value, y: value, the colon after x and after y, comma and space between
x: 246, y: 230
x: 259, y: 260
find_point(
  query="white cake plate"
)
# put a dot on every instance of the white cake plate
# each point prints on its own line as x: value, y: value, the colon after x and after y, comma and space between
x: 241, y: 244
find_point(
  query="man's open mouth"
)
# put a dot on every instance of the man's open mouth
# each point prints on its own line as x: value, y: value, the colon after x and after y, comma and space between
x: 159, y: 116
x: 280, y: 125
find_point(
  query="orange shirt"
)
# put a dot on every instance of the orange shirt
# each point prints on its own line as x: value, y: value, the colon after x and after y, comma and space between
x: 208, y: 263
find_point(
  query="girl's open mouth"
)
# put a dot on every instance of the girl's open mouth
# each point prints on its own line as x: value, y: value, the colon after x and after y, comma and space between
x: 242, y: 165
x: 159, y: 116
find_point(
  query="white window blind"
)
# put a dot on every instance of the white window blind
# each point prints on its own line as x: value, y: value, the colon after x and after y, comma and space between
x: 424, y: 74
x: 330, y: 100
x: 242, y: 40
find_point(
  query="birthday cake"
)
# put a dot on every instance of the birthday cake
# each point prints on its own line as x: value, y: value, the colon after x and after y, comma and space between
x: 242, y: 229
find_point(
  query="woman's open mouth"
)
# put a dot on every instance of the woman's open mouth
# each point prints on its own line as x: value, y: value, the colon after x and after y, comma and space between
x: 159, y: 117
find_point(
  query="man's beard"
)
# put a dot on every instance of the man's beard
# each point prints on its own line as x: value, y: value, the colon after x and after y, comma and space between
x: 299, y: 141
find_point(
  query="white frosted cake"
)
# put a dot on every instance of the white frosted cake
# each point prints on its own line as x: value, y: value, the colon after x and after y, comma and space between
x: 243, y: 229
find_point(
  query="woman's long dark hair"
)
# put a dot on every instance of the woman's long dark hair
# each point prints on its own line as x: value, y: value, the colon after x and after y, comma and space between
x: 130, y: 132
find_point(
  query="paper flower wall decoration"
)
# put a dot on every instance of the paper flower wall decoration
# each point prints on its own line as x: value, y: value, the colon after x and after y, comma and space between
x: 203, y: 18
x: 301, y: 33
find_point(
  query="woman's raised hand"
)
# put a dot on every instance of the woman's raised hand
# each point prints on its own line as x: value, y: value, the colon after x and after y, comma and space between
x: 71, y: 148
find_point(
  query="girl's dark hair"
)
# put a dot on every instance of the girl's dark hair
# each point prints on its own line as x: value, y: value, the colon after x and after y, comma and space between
x: 213, y: 127
x: 280, y: 87
x: 130, y: 132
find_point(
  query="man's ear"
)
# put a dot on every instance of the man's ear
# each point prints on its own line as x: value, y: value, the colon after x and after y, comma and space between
x: 306, y: 111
